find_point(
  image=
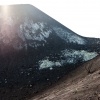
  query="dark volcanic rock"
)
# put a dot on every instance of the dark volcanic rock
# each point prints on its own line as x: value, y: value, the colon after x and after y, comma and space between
x: 36, y: 50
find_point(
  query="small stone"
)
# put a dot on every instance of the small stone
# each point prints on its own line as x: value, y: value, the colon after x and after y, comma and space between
x: 51, y: 68
x: 28, y: 74
x: 47, y: 79
x: 30, y: 85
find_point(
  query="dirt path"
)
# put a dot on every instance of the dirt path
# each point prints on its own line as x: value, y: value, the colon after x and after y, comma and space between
x: 78, y: 85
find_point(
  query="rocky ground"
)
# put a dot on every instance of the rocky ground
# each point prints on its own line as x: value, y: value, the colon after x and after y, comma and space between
x: 81, y: 84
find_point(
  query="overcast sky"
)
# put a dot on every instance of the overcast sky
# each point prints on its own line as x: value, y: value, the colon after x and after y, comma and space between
x: 81, y: 16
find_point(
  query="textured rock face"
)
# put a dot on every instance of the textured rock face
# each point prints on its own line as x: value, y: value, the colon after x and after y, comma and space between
x: 36, y: 49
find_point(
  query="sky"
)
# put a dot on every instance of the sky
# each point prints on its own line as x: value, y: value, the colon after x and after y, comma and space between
x: 81, y: 16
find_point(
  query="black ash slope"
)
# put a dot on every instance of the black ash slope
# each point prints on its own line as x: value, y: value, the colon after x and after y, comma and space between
x: 36, y: 50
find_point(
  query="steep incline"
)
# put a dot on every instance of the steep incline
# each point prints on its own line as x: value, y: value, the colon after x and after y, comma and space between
x: 36, y: 50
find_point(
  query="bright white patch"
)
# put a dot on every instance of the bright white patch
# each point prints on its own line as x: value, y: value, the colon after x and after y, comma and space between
x: 87, y: 56
x: 72, y: 55
x: 35, y: 26
x: 48, y: 64
x: 68, y: 37
x: 51, y: 68
x: 35, y: 31
x: 57, y: 63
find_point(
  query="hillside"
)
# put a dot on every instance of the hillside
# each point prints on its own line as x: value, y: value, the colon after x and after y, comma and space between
x: 36, y: 51
x: 77, y: 85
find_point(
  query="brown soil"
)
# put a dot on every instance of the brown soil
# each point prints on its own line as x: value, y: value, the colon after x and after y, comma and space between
x: 81, y: 84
